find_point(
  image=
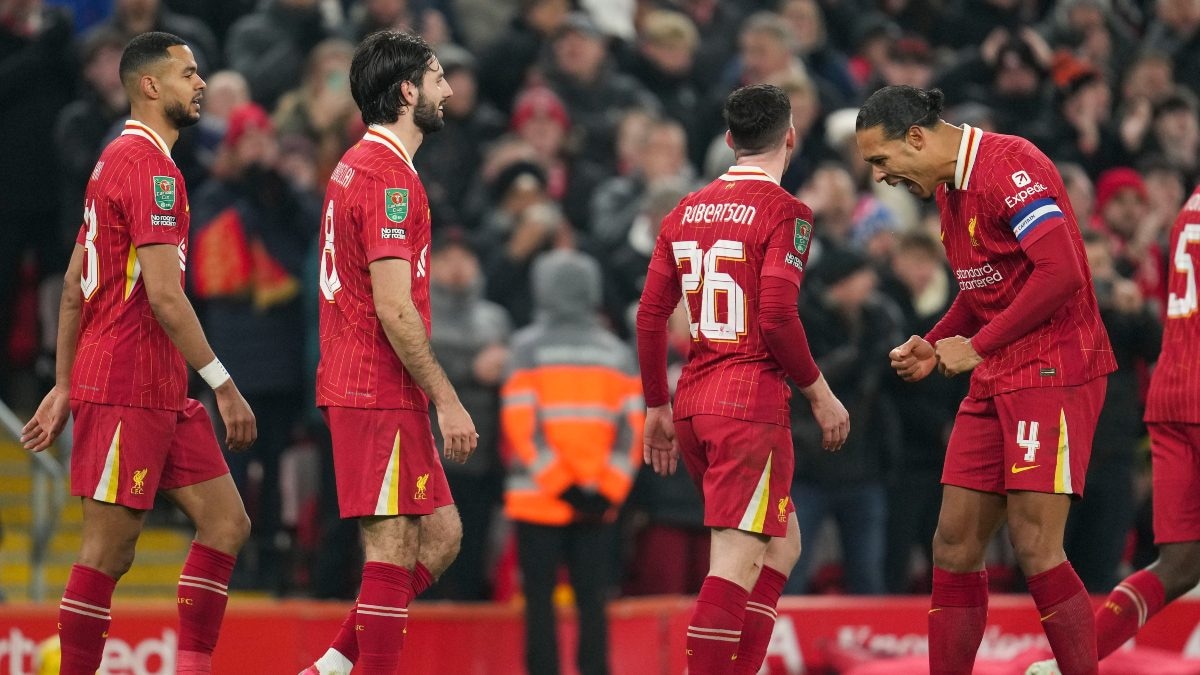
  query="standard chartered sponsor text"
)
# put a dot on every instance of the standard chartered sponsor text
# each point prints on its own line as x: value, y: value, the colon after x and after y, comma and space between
x: 978, y: 277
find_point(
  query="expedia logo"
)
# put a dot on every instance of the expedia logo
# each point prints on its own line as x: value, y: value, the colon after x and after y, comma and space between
x: 1025, y: 194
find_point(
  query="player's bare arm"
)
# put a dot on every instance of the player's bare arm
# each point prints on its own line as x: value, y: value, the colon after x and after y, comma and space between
x: 913, y: 360
x: 391, y: 290
x: 174, y: 312
x: 51, y: 416
x: 829, y: 412
x: 659, y: 447
x: 956, y: 355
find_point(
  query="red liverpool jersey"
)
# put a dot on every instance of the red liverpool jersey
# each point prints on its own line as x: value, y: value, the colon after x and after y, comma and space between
x: 135, y: 197
x: 375, y: 208
x: 716, y: 244
x: 1006, y: 195
x: 1175, y: 386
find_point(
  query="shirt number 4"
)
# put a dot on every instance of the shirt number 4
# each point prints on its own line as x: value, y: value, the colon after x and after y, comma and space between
x: 720, y: 295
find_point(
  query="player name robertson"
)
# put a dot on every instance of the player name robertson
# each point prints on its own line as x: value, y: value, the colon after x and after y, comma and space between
x: 729, y: 212
x: 978, y: 277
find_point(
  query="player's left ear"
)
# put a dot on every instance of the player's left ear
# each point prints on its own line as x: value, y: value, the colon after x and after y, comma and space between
x: 916, y: 137
x: 790, y: 138
x: 409, y: 94
x: 729, y: 140
x: 149, y: 86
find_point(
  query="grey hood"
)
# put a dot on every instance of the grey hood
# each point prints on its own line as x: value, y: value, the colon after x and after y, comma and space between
x: 566, y: 286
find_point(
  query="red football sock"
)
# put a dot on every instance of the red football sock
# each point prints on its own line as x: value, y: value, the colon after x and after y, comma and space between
x: 1067, y: 618
x: 203, y: 593
x: 83, y: 619
x: 346, y: 641
x: 957, y: 617
x: 421, y: 579
x: 383, y: 614
x: 715, y: 630
x: 1128, y: 608
x: 759, y: 621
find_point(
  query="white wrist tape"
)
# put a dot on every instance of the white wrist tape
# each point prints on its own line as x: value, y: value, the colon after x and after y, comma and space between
x: 214, y: 374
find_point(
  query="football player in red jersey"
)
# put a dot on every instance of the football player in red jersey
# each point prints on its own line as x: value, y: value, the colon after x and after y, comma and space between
x: 126, y: 335
x: 736, y: 251
x: 377, y: 373
x: 1027, y: 328
x: 1173, y: 417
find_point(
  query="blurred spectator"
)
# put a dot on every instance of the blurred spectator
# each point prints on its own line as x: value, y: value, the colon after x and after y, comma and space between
x: 910, y: 62
x: 134, y: 17
x: 505, y: 64
x: 851, y: 328
x: 1176, y: 31
x: 872, y: 40
x: 718, y: 22
x: 625, y: 269
x: 1007, y: 72
x: 1122, y: 212
x: 269, y: 47
x: 922, y: 286
x: 1151, y: 76
x: 87, y: 123
x: 1176, y: 132
x: 663, y: 62
x: 631, y: 136
x: 250, y: 235
x: 37, y: 77
x: 1080, y: 192
x: 1082, y: 132
x: 615, y: 202
x: 1099, y: 524
x: 594, y: 92
x: 415, y: 16
x: 470, y: 337
x: 811, y: 148
x: 449, y: 160
x: 849, y: 217
x: 766, y: 48
x: 322, y: 109
x: 824, y: 62
x: 520, y: 183
x: 542, y: 120
x: 967, y: 23
x: 572, y: 417
x: 226, y: 90
x: 1165, y: 191
x: 538, y: 228
x: 1093, y: 33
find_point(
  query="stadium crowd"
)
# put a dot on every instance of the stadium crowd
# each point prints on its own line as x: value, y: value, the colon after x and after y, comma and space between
x: 578, y: 126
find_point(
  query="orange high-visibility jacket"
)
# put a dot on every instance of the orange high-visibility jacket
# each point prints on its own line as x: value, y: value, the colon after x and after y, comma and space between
x: 571, y: 414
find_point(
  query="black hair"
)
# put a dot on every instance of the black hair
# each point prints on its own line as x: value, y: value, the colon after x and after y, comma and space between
x: 758, y: 117
x: 144, y: 50
x: 381, y: 63
x: 898, y: 108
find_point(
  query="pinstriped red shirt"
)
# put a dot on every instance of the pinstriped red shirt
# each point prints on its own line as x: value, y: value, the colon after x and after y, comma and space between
x: 375, y: 208
x: 716, y: 244
x: 1175, y: 386
x: 135, y: 197
x: 1005, y: 196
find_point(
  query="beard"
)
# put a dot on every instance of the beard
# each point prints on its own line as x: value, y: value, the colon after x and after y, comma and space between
x: 181, y: 116
x: 426, y: 117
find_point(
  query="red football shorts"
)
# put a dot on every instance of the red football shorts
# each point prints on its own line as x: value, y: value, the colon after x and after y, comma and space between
x: 124, y: 455
x: 742, y: 469
x: 385, y: 462
x: 1175, y: 455
x: 1037, y: 439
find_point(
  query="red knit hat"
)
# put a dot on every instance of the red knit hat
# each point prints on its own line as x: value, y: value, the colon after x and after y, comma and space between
x: 539, y: 101
x: 1113, y: 181
x: 244, y: 118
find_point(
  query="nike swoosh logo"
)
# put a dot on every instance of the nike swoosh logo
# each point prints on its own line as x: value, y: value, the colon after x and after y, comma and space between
x: 1019, y: 469
x: 1048, y: 615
